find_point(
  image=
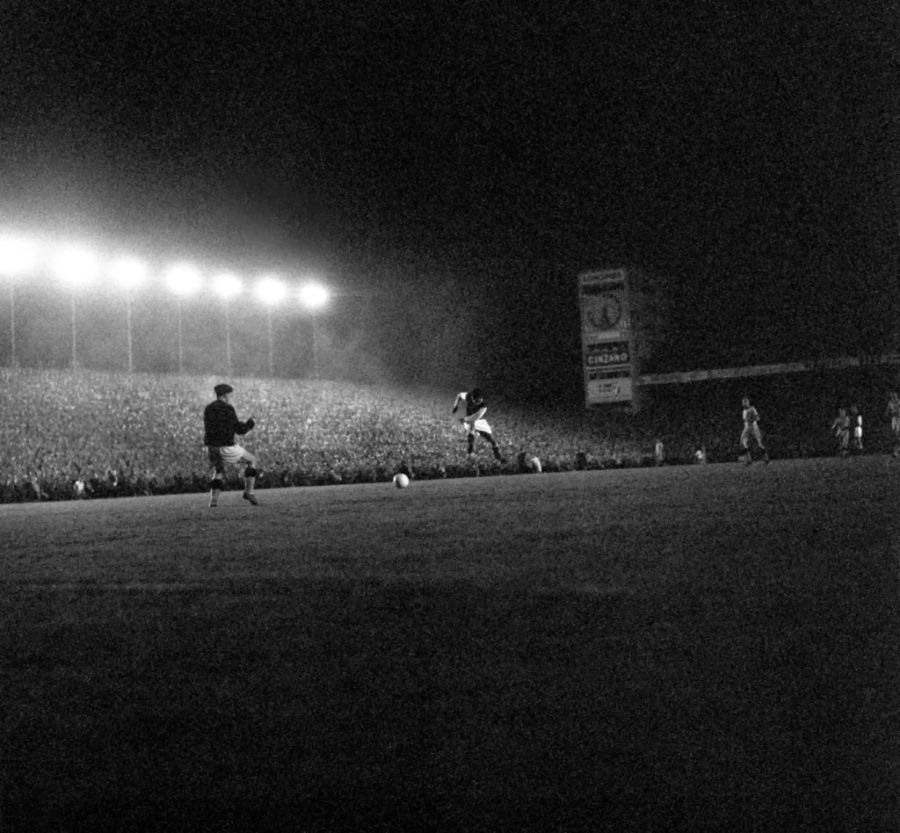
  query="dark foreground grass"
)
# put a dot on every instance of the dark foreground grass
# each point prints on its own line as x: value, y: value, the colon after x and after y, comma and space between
x: 679, y: 649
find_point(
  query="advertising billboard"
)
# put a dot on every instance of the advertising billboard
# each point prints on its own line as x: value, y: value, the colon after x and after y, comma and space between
x: 606, y: 337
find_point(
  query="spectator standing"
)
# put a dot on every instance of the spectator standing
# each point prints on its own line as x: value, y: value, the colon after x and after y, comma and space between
x: 220, y: 426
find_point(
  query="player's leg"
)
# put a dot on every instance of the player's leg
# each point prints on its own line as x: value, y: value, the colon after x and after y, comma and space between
x: 218, y: 472
x: 251, y: 472
x: 745, y: 453
x: 487, y: 435
x: 470, y: 441
x: 757, y: 434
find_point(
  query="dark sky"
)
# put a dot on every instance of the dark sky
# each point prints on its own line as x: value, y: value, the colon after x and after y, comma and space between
x: 748, y: 155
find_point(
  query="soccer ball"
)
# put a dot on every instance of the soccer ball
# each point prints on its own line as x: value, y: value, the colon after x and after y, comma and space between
x: 401, y: 481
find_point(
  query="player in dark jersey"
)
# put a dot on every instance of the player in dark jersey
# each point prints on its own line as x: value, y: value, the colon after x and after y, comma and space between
x: 841, y: 430
x: 474, y: 422
x: 220, y: 425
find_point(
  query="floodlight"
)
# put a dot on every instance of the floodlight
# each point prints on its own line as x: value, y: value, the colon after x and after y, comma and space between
x: 75, y: 265
x: 227, y: 285
x: 18, y: 255
x: 129, y: 272
x: 270, y: 290
x: 313, y: 295
x: 183, y: 279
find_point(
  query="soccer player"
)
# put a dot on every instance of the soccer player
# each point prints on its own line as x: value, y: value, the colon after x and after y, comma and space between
x: 751, y: 430
x: 856, y: 428
x: 841, y: 430
x: 220, y: 424
x: 474, y: 421
x: 893, y: 412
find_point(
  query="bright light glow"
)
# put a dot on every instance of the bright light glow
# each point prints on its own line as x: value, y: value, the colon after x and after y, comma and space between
x: 18, y: 255
x: 313, y: 295
x: 227, y: 286
x: 271, y: 290
x: 183, y: 279
x: 128, y: 272
x: 75, y: 265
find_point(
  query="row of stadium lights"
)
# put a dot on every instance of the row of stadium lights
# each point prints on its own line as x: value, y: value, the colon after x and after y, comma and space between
x: 79, y: 267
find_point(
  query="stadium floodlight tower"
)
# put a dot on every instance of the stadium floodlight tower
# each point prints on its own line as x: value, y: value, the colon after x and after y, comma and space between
x: 271, y: 291
x: 227, y: 286
x: 129, y: 273
x: 183, y: 280
x: 77, y: 267
x: 314, y: 296
x: 18, y: 257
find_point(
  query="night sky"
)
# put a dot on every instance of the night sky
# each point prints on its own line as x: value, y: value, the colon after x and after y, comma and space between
x: 747, y: 157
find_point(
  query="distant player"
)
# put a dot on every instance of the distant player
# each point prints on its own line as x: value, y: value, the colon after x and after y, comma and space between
x: 474, y: 421
x: 220, y: 424
x: 659, y: 452
x: 751, y: 431
x: 856, y: 430
x: 893, y: 413
x: 841, y: 430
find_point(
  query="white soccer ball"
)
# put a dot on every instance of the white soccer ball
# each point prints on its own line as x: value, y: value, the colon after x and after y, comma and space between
x: 401, y: 481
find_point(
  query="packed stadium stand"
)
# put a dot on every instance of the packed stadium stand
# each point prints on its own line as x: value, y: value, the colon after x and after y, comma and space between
x: 79, y: 434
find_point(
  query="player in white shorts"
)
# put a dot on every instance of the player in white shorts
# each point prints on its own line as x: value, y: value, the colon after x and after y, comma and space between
x: 474, y: 422
x: 751, y: 431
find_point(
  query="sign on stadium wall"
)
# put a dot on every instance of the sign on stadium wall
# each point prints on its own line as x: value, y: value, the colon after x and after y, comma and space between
x: 606, y: 337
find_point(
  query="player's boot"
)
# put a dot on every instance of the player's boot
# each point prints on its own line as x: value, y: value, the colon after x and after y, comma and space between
x: 249, y: 496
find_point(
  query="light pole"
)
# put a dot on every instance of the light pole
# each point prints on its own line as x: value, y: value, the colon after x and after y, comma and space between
x: 183, y: 279
x: 227, y: 286
x: 76, y: 267
x: 314, y: 296
x: 18, y: 256
x: 129, y: 273
x: 270, y: 291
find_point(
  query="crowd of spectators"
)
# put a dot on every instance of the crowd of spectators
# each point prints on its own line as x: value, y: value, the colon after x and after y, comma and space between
x: 80, y: 434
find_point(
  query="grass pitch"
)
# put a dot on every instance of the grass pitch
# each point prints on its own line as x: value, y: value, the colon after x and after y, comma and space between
x: 709, y: 648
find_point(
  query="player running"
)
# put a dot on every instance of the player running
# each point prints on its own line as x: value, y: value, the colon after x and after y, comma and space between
x: 751, y: 430
x: 893, y: 413
x: 220, y: 424
x: 474, y: 422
